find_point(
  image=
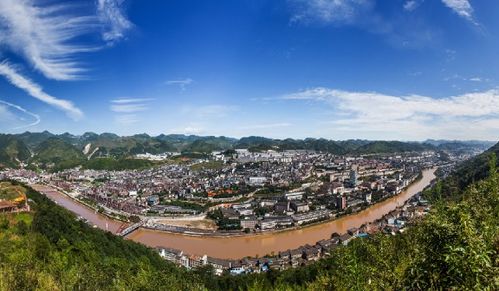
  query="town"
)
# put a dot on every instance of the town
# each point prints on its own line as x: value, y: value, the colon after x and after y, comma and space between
x: 241, y: 192
x: 392, y: 223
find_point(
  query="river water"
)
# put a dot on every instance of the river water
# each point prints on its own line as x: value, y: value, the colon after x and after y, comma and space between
x: 252, y: 245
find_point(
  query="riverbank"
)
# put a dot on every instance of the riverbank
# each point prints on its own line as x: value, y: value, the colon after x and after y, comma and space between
x: 237, y: 246
x: 392, y: 223
x: 175, y: 229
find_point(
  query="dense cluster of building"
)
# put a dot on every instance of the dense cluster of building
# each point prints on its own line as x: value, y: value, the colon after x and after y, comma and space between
x: 391, y: 224
x: 250, y: 192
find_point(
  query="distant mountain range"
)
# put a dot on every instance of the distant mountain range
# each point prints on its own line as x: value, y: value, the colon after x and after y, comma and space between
x: 67, y: 150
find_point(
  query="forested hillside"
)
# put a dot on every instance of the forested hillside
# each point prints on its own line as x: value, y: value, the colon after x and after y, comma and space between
x: 51, y: 250
x: 12, y: 151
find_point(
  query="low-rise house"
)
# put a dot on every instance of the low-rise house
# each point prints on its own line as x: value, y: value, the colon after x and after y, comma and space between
x: 300, y: 206
x: 268, y: 202
x: 197, y: 261
x: 249, y: 222
x: 345, y: 239
x: 219, y: 265
x: 302, y: 218
x: 282, y: 207
x: 172, y: 255
x: 294, y: 195
x: 353, y: 231
x: 230, y: 213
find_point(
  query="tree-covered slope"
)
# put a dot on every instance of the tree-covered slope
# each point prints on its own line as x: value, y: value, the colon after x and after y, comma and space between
x: 465, y: 174
x: 377, y: 147
x: 12, y: 151
x: 58, y: 153
x: 50, y: 250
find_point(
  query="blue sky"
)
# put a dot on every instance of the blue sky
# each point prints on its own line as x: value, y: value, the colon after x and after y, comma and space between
x: 338, y: 69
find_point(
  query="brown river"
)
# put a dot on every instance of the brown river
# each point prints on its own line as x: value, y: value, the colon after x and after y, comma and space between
x: 251, y: 245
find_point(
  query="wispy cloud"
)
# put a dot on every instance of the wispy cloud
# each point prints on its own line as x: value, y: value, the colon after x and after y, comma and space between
x: 406, y: 31
x: 329, y: 11
x: 127, y: 109
x: 33, y: 89
x: 116, y: 24
x: 129, y: 105
x: 190, y: 130
x: 44, y: 36
x: 131, y: 100
x: 463, y: 8
x: 462, y: 78
x: 413, y: 116
x: 412, y: 5
x: 36, y: 118
x: 181, y: 83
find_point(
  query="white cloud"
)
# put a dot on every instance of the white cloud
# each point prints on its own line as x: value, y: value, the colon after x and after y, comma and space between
x: 181, y: 83
x: 328, y: 11
x: 405, y: 31
x: 131, y: 100
x: 412, y: 116
x: 192, y: 130
x: 130, y: 105
x: 462, y: 7
x: 115, y: 22
x: 412, y: 5
x: 33, y: 89
x: 42, y: 35
x: 36, y: 118
x: 127, y: 109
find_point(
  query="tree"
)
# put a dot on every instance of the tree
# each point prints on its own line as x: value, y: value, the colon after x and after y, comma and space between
x: 22, y: 227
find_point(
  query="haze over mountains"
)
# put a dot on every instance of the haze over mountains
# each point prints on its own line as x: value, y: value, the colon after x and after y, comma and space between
x: 68, y: 150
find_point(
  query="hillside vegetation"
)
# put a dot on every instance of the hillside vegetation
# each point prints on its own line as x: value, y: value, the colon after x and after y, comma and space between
x: 12, y: 151
x: 51, y: 250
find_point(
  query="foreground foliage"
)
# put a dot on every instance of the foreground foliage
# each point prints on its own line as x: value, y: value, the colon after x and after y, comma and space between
x: 57, y: 252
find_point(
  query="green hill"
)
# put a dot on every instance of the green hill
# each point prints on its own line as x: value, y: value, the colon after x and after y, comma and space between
x: 465, y: 174
x: 34, y: 139
x: 12, y: 151
x: 377, y: 147
x: 57, y: 154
